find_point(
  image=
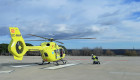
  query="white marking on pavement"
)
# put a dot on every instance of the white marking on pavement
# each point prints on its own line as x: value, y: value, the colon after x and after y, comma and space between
x: 6, y: 71
x: 126, y: 73
x: 19, y: 66
x: 59, y: 66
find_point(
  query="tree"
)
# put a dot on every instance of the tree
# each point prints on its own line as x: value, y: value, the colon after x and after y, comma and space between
x: 75, y: 52
x: 109, y: 53
x: 85, y: 51
x: 133, y: 53
x: 28, y: 44
x: 130, y: 53
x: 138, y: 53
x: 4, y: 49
x: 98, y: 51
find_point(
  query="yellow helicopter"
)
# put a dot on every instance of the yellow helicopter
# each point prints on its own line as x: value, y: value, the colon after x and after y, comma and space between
x: 50, y: 51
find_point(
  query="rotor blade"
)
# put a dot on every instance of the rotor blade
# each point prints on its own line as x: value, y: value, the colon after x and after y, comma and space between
x: 37, y: 36
x: 35, y: 40
x: 59, y: 42
x: 75, y: 38
x: 82, y: 38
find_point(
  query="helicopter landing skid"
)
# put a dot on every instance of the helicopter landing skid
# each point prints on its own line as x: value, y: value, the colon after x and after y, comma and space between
x: 64, y: 62
x: 43, y: 62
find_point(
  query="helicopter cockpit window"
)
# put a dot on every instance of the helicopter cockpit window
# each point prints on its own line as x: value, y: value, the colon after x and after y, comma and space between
x: 48, y: 44
x: 58, y: 51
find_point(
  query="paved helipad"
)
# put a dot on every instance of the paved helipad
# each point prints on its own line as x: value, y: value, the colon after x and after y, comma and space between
x: 77, y: 68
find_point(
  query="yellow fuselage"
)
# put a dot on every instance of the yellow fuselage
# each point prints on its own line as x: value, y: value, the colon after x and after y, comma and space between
x: 50, y: 51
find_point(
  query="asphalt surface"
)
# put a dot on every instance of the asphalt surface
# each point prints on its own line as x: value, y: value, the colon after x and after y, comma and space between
x: 77, y: 68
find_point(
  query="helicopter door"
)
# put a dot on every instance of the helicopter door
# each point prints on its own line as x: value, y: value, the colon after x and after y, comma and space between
x: 61, y: 52
x: 55, y: 54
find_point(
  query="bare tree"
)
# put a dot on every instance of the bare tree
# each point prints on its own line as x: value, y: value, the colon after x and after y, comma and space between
x: 75, y: 53
x: 130, y: 53
x: 109, y: 53
x: 98, y: 51
x: 86, y: 51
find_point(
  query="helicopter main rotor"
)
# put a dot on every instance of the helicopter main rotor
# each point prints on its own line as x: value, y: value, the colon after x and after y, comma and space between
x: 49, y: 39
x: 52, y: 39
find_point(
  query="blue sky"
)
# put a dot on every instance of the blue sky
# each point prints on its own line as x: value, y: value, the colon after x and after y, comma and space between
x: 115, y: 24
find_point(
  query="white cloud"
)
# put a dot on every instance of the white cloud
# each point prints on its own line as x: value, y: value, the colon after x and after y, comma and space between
x: 111, y: 19
x: 98, y: 29
x: 62, y: 28
x: 131, y: 24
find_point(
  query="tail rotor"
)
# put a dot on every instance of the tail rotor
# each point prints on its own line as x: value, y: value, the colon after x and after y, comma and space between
x: 17, y: 46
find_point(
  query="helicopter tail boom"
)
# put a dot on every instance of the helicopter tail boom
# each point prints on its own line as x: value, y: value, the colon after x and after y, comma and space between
x: 34, y: 48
